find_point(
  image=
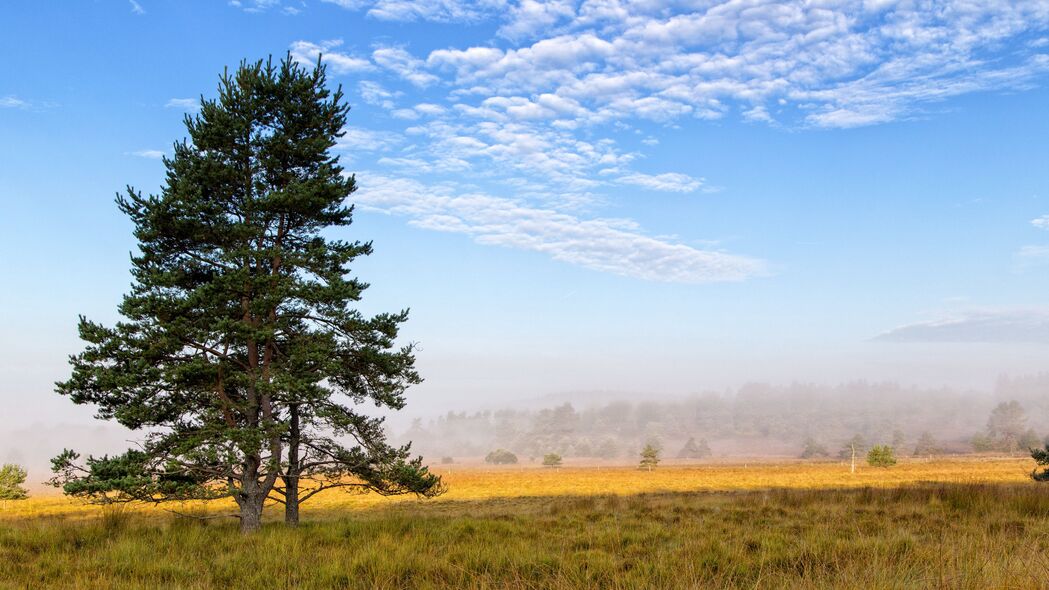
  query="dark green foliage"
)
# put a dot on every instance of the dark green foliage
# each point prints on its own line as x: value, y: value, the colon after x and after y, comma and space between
x: 131, y: 476
x: 813, y: 449
x: 650, y: 456
x: 241, y: 353
x: 694, y: 450
x: 551, y: 460
x: 12, y: 479
x: 881, y: 456
x: 501, y: 457
x: 1041, y: 456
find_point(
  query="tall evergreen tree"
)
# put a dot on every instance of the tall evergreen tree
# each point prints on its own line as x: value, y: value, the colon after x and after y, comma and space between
x: 241, y: 351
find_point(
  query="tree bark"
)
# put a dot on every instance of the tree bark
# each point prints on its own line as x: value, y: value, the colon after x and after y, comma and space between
x: 250, y: 498
x: 251, y: 515
x: 291, y: 477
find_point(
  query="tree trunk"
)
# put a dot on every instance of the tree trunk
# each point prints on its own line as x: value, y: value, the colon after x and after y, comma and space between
x: 250, y: 498
x: 291, y: 476
x: 251, y: 516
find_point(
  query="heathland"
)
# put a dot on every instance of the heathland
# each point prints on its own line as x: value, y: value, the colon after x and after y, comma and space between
x: 945, y: 523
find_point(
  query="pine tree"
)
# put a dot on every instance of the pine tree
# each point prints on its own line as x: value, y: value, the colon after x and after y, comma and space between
x: 12, y: 479
x: 881, y: 456
x: 813, y: 449
x: 649, y: 457
x: 694, y: 450
x: 240, y: 343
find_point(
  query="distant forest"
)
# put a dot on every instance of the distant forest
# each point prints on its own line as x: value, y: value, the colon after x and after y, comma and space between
x: 755, y: 420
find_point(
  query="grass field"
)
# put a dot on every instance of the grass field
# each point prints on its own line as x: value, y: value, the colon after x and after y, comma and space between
x: 964, y: 523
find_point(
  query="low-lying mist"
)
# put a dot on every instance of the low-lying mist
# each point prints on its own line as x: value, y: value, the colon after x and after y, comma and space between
x: 755, y: 420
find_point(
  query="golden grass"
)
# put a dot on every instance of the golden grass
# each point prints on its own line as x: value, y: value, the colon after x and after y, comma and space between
x: 960, y: 523
x: 479, y: 482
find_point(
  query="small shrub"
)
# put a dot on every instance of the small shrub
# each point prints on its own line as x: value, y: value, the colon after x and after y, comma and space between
x: 881, y: 456
x: 501, y: 457
x: 551, y: 460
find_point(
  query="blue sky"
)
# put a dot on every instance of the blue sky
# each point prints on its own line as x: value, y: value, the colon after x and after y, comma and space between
x: 650, y: 196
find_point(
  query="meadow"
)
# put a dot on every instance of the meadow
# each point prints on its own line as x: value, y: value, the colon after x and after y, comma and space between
x: 958, y: 523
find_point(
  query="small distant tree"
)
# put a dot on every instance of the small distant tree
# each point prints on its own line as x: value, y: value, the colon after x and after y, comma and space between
x: 813, y: 449
x: 607, y: 449
x: 551, y: 460
x: 853, y: 447
x: 649, y: 457
x: 1029, y: 440
x: 694, y: 450
x: 881, y: 456
x: 447, y: 460
x: 898, y: 439
x: 501, y: 457
x: 1006, y: 426
x: 926, y: 446
x: 982, y: 443
x: 12, y: 477
x: 856, y: 445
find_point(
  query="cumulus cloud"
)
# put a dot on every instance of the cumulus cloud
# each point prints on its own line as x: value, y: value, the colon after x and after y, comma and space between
x: 1041, y: 222
x: 978, y: 326
x: 366, y: 140
x: 425, y: 10
x: 339, y: 63
x: 403, y: 64
x: 669, y: 181
x: 540, y: 107
x: 614, y: 246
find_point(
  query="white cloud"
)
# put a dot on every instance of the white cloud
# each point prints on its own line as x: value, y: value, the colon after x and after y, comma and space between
x: 255, y: 5
x: 375, y: 94
x: 1041, y: 222
x: 13, y: 102
x: 614, y: 246
x: 403, y: 64
x: 528, y: 17
x: 186, y: 104
x: 148, y: 154
x: 669, y: 181
x: 367, y: 140
x: 425, y: 10
x: 978, y: 326
x: 136, y: 8
x: 339, y: 63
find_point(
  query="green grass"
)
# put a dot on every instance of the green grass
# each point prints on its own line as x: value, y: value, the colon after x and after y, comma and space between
x: 936, y: 536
